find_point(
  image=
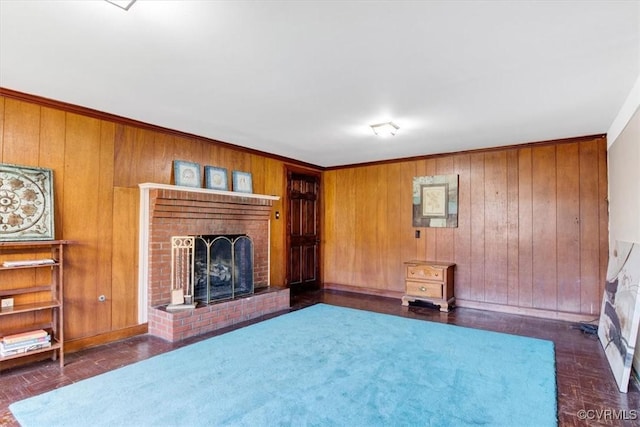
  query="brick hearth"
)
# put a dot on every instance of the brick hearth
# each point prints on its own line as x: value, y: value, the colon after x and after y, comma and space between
x: 176, y: 326
x: 168, y: 210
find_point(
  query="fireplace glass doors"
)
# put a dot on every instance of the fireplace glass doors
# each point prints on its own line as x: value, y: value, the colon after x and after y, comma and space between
x: 223, y: 267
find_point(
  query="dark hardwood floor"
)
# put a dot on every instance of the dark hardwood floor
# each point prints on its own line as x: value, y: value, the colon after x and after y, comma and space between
x: 585, y: 383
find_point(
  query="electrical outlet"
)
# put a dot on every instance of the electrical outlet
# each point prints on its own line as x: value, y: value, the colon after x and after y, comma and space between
x: 7, y: 302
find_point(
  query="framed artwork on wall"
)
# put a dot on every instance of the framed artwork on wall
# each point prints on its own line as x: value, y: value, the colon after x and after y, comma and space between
x: 26, y: 203
x: 435, y: 201
x: 242, y: 182
x: 215, y: 178
x: 187, y: 174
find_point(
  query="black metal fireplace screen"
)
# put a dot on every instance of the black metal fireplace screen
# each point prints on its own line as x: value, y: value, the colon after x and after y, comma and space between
x: 223, y: 267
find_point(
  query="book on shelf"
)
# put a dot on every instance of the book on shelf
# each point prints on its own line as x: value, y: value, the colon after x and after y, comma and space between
x: 26, y: 343
x: 28, y: 262
x: 24, y: 336
x: 25, y: 349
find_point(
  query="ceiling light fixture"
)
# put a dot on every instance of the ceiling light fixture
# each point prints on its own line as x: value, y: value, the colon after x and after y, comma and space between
x: 122, y: 4
x: 385, y: 129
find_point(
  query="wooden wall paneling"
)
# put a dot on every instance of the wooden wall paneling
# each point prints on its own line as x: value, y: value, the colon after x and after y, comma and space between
x: 123, y: 156
x: 603, y: 214
x: 237, y: 160
x: 187, y: 149
x: 545, y: 291
x: 568, y: 217
x: 477, y: 284
x: 386, y: 257
x: 367, y: 206
x: 134, y: 162
x: 218, y: 157
x: 331, y: 226
x: 52, y: 135
x: 145, y: 162
x: 495, y: 227
x: 380, y: 174
x: 214, y: 156
x: 1, y: 126
x: 163, y: 157
x: 513, y: 240
x: 525, y: 227
x: 258, y: 173
x: 589, y: 228
x: 274, y: 184
x: 444, y: 236
x: 142, y: 145
x: 124, y: 264
x: 392, y: 237
x: 105, y: 224
x: 462, y: 234
x: 364, y: 252
x: 21, y: 133
x: 329, y: 221
x: 399, y: 231
x: 345, y: 216
x: 81, y: 204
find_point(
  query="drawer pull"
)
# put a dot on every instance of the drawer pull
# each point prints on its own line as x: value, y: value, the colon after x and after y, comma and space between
x: 423, y: 289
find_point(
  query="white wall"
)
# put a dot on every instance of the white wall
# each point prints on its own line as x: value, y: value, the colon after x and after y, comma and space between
x: 623, y: 141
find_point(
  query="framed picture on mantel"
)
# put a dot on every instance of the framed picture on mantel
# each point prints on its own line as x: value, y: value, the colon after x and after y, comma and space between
x: 215, y: 178
x: 242, y: 182
x: 187, y: 174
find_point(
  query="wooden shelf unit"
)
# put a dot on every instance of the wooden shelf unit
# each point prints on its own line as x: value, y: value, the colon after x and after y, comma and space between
x: 37, y: 291
x: 431, y: 282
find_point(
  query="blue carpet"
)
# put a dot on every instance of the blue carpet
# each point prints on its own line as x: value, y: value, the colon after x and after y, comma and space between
x: 320, y: 366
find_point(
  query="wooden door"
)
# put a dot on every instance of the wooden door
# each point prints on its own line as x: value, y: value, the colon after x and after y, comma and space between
x: 303, y: 230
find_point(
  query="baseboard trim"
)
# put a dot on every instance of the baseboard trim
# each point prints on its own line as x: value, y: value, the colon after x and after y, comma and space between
x: 83, y: 343
x: 526, y: 311
x: 359, y: 290
x: 500, y: 308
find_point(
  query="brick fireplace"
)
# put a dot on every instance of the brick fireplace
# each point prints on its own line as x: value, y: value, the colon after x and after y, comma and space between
x: 168, y: 210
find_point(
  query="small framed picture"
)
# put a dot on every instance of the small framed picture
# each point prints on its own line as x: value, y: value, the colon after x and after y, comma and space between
x: 435, y: 200
x: 242, y: 182
x: 187, y: 174
x: 215, y: 178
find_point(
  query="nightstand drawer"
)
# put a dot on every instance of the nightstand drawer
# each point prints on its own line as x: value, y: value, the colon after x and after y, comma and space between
x: 425, y: 272
x: 424, y: 289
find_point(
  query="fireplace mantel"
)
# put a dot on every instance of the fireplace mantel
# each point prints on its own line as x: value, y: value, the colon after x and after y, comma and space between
x: 145, y: 187
x: 175, y: 199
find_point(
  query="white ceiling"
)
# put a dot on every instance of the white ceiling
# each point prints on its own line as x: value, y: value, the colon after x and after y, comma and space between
x: 304, y: 79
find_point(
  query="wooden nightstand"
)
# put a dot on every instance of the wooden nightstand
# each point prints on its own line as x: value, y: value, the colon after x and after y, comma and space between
x: 429, y: 281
